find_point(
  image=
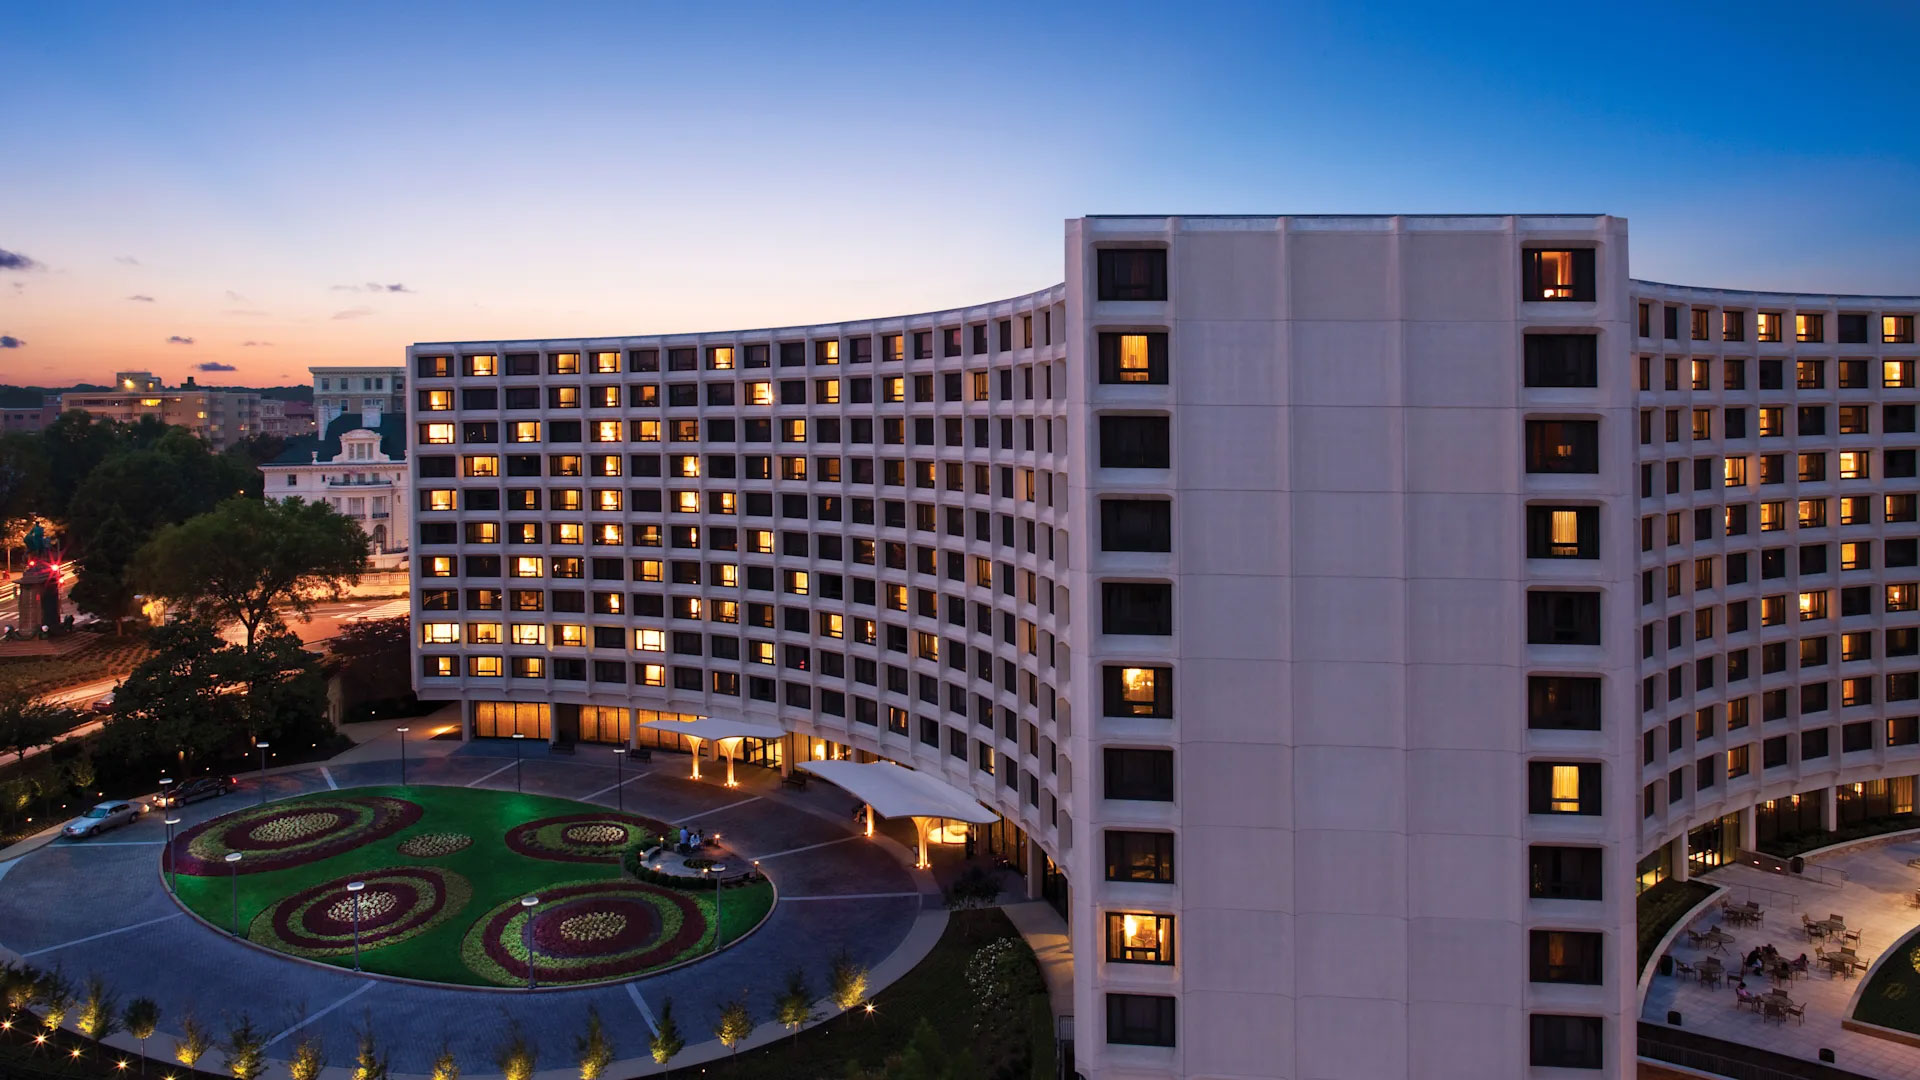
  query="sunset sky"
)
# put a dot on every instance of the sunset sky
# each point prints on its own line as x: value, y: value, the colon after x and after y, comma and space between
x: 192, y: 188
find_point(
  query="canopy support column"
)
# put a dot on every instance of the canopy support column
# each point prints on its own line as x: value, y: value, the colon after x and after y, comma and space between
x: 732, y: 748
x: 921, y: 827
x: 695, y: 743
x: 868, y: 808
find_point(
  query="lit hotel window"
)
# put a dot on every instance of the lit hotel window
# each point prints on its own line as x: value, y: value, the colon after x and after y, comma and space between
x: 437, y: 666
x: 1561, y: 788
x: 483, y: 365
x: 1137, y: 938
x: 607, y: 535
x: 650, y: 640
x: 568, y: 532
x: 1896, y: 329
x: 606, y: 363
x: 436, y: 433
x: 566, y: 363
x: 439, y: 633
x: 720, y: 358
x: 1813, y: 605
x: 440, y: 566
x: 485, y: 667
x: 483, y: 633
x: 606, y: 431
x: 482, y: 465
x: 649, y: 570
x: 436, y: 400
x: 1767, y: 326
x: 438, y: 499
x: 1139, y: 691
x: 529, y: 634
x: 686, y: 502
x: 525, y: 431
x: 1897, y: 374
x: 529, y: 667
x: 826, y: 352
x: 529, y: 566
x: 1557, y: 275
x: 1853, y: 465
x: 606, y: 499
x: 569, y: 634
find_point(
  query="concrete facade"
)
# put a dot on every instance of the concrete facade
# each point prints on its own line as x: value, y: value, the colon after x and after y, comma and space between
x: 1281, y: 580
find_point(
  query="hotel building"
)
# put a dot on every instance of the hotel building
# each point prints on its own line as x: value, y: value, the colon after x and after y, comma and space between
x: 1347, y: 616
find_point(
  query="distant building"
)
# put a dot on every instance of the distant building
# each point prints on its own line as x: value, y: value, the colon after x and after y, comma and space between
x: 359, y: 467
x: 30, y: 419
x: 338, y: 390
x: 300, y: 418
x: 221, y: 417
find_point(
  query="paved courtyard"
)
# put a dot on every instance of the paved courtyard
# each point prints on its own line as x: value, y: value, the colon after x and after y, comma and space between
x: 101, y: 906
x: 1872, y: 896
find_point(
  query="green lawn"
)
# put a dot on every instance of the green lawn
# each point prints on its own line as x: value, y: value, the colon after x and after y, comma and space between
x: 495, y: 873
x: 1892, y: 995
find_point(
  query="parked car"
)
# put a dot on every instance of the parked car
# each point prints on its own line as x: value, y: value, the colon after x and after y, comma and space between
x: 187, y: 791
x: 108, y: 815
x: 104, y: 703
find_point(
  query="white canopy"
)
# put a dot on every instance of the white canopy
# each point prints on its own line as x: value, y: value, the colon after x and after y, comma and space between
x: 716, y: 728
x: 896, y: 791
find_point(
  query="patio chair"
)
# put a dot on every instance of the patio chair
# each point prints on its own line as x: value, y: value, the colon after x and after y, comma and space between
x: 1696, y: 938
x: 1682, y: 969
x: 1797, y: 1011
x: 1852, y: 936
x: 1837, y: 920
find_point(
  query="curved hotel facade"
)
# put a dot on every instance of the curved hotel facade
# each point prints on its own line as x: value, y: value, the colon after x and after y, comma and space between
x: 1346, y: 616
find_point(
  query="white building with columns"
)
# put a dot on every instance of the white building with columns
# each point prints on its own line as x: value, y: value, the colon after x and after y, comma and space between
x: 1346, y: 616
x: 359, y: 468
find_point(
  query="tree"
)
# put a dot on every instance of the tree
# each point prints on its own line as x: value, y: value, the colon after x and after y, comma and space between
x: 103, y: 587
x: 178, y: 701
x: 846, y: 982
x: 308, y: 1059
x: 666, y: 1041
x: 593, y: 1047
x: 373, y: 660
x: 515, y: 1056
x: 445, y: 1066
x: 28, y: 724
x: 18, y: 984
x: 924, y: 1059
x: 99, y: 1011
x: 194, y: 1041
x: 246, y: 1050
x: 794, y: 1007
x: 141, y: 1019
x: 245, y: 560
x: 286, y: 699
x: 735, y: 1024
x: 54, y: 995
x: 369, y: 1061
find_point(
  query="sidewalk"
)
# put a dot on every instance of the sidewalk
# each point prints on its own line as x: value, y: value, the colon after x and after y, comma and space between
x: 1046, y: 932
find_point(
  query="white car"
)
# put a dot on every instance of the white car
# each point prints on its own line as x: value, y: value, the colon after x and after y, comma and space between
x: 108, y: 815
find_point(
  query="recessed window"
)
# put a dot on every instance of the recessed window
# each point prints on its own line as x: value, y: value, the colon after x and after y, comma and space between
x: 1134, y: 442
x: 1136, y: 525
x: 1563, y: 532
x: 1563, y: 702
x: 1558, y: 787
x: 1563, y: 618
x: 1733, y: 326
x: 1138, y: 691
x: 1565, y: 873
x: 1563, y: 446
x: 1565, y: 1042
x: 1139, y: 856
x: 1809, y: 328
x: 1136, y: 608
x: 1562, y: 360
x: 1768, y: 326
x: 1141, y: 775
x: 1896, y: 329
x: 1566, y: 956
x: 1140, y: 1019
x: 1139, y: 938
x: 1852, y: 329
x: 1133, y: 358
x: 1132, y: 273
x: 1556, y: 274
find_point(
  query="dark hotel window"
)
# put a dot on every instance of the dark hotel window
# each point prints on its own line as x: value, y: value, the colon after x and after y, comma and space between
x: 1563, y: 532
x: 1562, y: 618
x: 1563, y: 446
x: 1133, y: 273
x: 1141, y: 775
x: 1566, y: 956
x: 1564, y: 1042
x: 1563, y: 702
x: 1552, y: 275
x: 1140, y: 1019
x: 1562, y: 360
x: 1565, y: 873
x: 1136, y: 525
x: 1139, y: 856
x: 1136, y: 607
x: 1133, y: 358
x: 1134, y: 442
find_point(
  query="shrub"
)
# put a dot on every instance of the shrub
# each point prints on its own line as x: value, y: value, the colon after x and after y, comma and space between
x: 846, y: 982
x: 246, y: 1050
x: 99, y: 1012
x: 194, y: 1041
x: 593, y: 1047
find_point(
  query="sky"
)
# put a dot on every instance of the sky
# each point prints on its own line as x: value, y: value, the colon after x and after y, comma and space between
x: 237, y: 191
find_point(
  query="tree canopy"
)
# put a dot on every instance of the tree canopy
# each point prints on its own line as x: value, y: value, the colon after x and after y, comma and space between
x: 247, y: 559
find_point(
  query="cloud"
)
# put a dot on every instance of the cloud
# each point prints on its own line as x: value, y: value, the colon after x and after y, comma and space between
x: 372, y: 287
x: 178, y: 340
x: 255, y: 344
x: 13, y: 260
x: 353, y: 313
x: 215, y: 365
x: 8, y: 341
x: 126, y: 260
x: 236, y: 298
x: 142, y: 299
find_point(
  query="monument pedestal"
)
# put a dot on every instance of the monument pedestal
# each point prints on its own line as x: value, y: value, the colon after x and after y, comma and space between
x: 39, y: 600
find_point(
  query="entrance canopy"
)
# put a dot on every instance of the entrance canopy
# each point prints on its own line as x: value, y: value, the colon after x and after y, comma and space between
x: 896, y: 791
x: 723, y: 733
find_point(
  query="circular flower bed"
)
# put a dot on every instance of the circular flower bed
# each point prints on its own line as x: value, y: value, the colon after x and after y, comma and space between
x: 435, y: 844
x: 282, y: 835
x: 698, y: 864
x: 397, y: 904
x: 582, y: 932
x: 597, y: 837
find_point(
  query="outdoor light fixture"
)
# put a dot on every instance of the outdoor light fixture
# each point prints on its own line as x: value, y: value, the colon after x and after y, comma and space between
x: 528, y: 903
x: 173, y: 872
x: 233, y: 867
x: 263, y: 772
x: 353, y: 900
x: 403, y: 755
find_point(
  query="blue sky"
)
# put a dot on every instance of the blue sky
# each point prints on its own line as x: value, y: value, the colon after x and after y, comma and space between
x: 540, y: 169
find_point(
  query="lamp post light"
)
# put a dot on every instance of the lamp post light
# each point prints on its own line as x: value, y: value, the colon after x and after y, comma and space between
x: 233, y: 868
x: 619, y: 796
x: 263, y: 772
x: 353, y: 898
x: 173, y: 869
x: 528, y: 903
x: 719, y: 926
x: 519, y: 740
x: 403, y: 755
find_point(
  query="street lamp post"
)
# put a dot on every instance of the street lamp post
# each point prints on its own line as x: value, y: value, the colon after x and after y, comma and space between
x: 263, y: 772
x: 403, y: 756
x: 353, y: 898
x: 528, y: 903
x: 719, y: 926
x: 619, y: 796
x: 519, y: 740
x: 173, y: 868
x: 233, y: 867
